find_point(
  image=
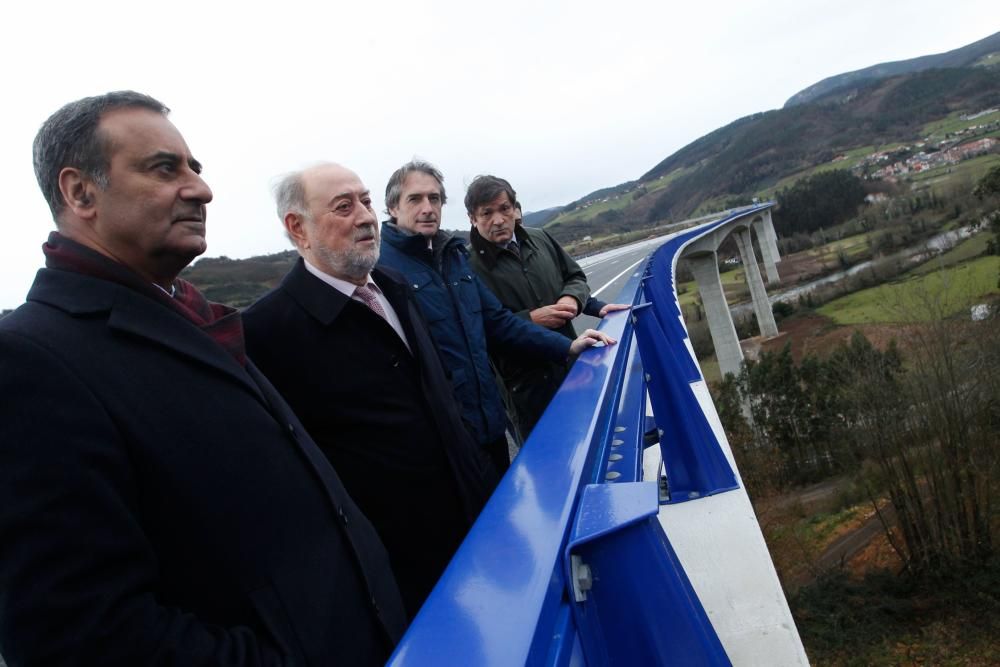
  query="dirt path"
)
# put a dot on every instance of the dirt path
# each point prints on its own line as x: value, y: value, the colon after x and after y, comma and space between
x: 809, y: 501
x: 845, y: 547
x: 848, y: 545
x: 810, y: 497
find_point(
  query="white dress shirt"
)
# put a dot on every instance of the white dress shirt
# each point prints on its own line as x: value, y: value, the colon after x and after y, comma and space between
x: 347, y: 289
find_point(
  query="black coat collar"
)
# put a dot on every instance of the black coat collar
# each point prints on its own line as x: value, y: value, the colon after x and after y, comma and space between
x: 326, y: 303
x: 135, y: 314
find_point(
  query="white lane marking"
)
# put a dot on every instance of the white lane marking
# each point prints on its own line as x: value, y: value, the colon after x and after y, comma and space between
x: 618, y: 252
x: 591, y: 260
x: 608, y: 284
x: 600, y: 261
x: 617, y: 260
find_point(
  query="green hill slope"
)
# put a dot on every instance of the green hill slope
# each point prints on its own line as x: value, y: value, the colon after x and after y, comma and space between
x: 753, y: 155
x: 831, y: 127
x: 965, y: 56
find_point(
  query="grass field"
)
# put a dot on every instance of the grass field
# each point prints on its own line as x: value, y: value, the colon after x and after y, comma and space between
x: 713, y: 205
x: 854, y: 247
x: 620, y: 202
x: 710, y: 369
x: 733, y: 283
x: 665, y: 180
x: 851, y: 158
x: 920, y: 297
x: 953, y: 123
x: 989, y: 59
x: 966, y: 250
x: 689, y: 296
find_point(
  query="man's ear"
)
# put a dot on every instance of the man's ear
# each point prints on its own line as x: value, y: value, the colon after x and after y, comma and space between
x: 79, y: 192
x: 295, y: 226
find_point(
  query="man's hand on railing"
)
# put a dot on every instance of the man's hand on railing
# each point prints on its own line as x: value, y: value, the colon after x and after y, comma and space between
x: 589, y: 338
x: 613, y: 307
x: 554, y: 316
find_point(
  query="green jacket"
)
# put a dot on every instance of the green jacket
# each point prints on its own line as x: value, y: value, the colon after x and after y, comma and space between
x: 542, y: 274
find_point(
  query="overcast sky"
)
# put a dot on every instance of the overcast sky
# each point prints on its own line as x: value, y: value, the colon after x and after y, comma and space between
x: 560, y: 98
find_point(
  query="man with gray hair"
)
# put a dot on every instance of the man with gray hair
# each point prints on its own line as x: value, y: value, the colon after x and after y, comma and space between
x: 464, y: 316
x: 160, y: 503
x: 347, y: 346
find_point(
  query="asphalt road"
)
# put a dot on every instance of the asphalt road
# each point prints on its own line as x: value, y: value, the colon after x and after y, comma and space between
x: 608, y: 272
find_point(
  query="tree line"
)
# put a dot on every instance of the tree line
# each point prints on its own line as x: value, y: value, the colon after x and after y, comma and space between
x: 919, y: 427
x: 821, y: 200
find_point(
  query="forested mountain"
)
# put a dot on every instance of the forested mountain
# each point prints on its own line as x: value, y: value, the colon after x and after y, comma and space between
x: 754, y: 155
x: 965, y: 56
x: 539, y: 218
x: 755, y: 152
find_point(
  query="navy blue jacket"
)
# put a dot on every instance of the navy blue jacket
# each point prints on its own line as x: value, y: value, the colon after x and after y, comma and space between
x: 464, y: 317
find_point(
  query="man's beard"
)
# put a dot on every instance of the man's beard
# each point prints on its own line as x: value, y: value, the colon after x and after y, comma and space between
x: 357, y: 262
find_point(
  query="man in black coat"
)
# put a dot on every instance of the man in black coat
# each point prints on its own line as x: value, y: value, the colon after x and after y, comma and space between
x: 159, y: 502
x: 348, y: 348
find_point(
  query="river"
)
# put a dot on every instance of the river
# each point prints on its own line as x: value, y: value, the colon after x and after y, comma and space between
x: 911, y: 256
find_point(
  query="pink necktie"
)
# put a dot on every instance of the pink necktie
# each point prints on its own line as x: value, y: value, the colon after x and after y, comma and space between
x: 367, y: 294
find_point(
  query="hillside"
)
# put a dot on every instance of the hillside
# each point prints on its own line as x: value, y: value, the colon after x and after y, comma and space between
x: 853, y: 121
x: 238, y: 282
x: 965, y: 56
x: 539, y: 218
x: 754, y: 155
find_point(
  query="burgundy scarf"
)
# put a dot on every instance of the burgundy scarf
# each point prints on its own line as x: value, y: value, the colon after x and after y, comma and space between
x: 222, y: 323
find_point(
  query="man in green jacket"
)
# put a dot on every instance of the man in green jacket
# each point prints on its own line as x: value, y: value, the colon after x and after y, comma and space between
x: 534, y: 277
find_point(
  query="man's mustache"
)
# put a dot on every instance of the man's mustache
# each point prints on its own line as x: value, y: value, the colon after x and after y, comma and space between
x: 196, y: 213
x: 364, y: 233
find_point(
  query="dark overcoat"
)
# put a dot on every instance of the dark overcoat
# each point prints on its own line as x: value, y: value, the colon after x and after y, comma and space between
x: 384, y: 416
x: 539, y: 275
x: 161, y: 504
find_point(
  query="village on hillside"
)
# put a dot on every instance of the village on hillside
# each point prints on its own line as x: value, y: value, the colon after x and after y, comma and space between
x: 955, y: 147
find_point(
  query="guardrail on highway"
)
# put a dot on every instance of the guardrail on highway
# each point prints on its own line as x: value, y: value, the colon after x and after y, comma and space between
x: 567, y: 564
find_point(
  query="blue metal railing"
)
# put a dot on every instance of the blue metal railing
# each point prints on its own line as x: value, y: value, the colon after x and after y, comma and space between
x: 567, y: 564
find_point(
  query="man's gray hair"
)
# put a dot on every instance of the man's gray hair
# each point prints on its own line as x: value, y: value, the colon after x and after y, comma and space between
x: 69, y: 138
x: 290, y: 197
x: 394, y: 188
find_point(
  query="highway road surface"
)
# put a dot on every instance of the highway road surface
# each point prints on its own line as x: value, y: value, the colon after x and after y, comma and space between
x: 608, y: 272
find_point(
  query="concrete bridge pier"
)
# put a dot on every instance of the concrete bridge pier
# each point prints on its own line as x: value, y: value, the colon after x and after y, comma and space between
x: 705, y: 268
x: 758, y: 293
x: 764, y: 230
x: 772, y: 237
